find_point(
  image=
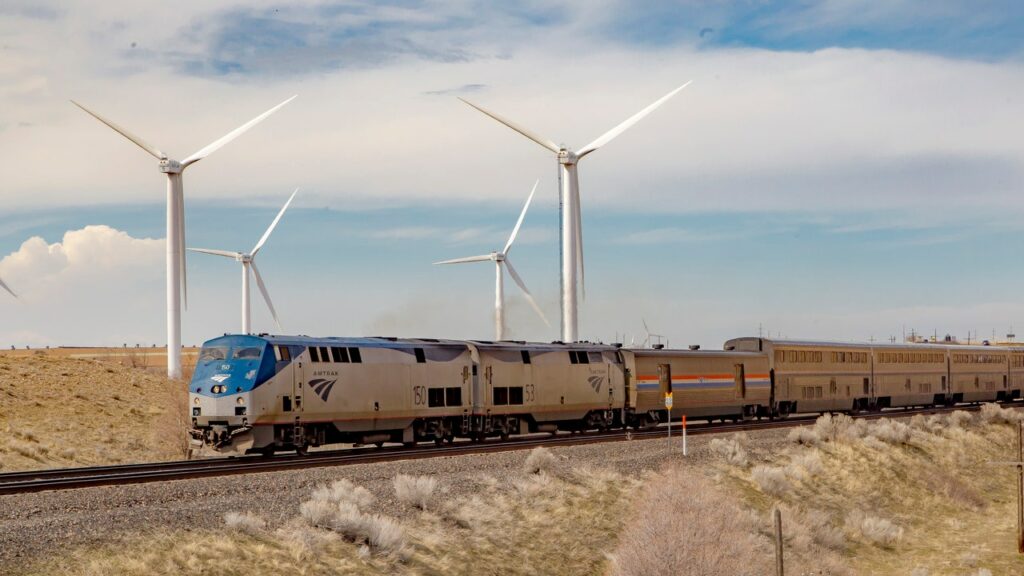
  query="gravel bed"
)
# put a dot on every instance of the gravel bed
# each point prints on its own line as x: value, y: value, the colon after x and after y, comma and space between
x: 41, y: 523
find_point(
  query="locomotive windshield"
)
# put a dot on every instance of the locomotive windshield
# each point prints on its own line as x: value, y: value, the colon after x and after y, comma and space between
x: 232, y: 364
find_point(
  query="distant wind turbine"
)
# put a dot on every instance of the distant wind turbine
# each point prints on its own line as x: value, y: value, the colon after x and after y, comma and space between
x: 500, y: 259
x: 176, y: 280
x: 650, y: 335
x: 249, y: 262
x: 572, y: 228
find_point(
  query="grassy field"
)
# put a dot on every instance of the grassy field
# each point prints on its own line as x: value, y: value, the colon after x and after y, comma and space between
x: 72, y: 407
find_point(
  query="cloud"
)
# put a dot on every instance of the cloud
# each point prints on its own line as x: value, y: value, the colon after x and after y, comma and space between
x: 89, y: 287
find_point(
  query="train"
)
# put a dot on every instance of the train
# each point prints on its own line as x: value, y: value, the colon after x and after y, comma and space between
x: 268, y: 393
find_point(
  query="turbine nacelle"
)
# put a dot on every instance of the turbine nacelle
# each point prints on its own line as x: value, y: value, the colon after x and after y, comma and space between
x: 168, y: 166
x: 567, y: 157
x: 498, y: 256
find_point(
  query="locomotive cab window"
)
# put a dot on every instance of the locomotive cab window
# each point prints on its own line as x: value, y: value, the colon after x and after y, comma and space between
x: 421, y: 358
x: 314, y: 354
x: 595, y: 357
x: 325, y: 356
x: 500, y: 396
x: 283, y: 353
x: 213, y: 353
x: 354, y: 356
x: 526, y: 356
x: 339, y: 354
x: 247, y: 352
x: 578, y: 357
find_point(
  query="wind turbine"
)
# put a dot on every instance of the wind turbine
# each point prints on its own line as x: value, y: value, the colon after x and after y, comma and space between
x: 501, y: 259
x: 249, y: 262
x: 176, y: 280
x: 4, y: 286
x: 572, y: 229
x: 650, y: 335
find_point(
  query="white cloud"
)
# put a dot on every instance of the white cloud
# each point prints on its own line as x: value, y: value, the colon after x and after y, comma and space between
x: 95, y: 285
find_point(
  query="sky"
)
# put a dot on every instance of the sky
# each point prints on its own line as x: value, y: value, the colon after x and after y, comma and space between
x: 842, y: 169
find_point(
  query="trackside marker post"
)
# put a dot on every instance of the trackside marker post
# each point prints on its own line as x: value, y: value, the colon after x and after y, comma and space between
x: 668, y: 408
x: 684, y: 434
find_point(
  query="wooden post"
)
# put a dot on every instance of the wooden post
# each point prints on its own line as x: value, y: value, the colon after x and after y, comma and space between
x: 779, y: 570
x: 1020, y: 487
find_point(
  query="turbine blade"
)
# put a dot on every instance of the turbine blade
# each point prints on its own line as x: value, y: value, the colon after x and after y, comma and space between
x: 266, y: 295
x: 519, y: 222
x: 532, y: 136
x: 579, y: 245
x: 224, y: 253
x: 526, y: 292
x: 5, y: 287
x: 609, y: 135
x: 181, y: 247
x: 481, y: 258
x: 214, y: 146
x: 138, y: 141
x: 273, y: 224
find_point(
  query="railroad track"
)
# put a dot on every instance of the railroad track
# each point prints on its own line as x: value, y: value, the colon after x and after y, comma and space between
x: 69, y: 478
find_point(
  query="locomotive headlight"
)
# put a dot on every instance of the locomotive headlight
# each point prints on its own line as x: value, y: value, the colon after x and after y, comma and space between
x: 195, y: 401
x: 240, y: 400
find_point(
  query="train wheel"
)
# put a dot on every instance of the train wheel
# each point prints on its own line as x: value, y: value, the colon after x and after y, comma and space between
x: 439, y: 441
x: 301, y: 450
x: 379, y: 444
x: 504, y: 435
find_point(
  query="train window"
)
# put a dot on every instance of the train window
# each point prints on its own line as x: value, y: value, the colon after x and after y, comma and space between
x: 500, y: 396
x: 832, y: 389
x: 453, y: 396
x: 578, y: 357
x: 817, y: 392
x: 435, y: 397
x: 515, y: 395
x: 248, y: 352
x: 314, y: 355
x: 339, y: 354
x: 324, y: 355
x: 595, y: 357
x: 572, y: 357
x: 286, y: 403
x: 474, y: 369
x: 213, y: 353
x: 421, y: 358
x: 354, y: 356
x: 284, y: 354
x: 526, y: 356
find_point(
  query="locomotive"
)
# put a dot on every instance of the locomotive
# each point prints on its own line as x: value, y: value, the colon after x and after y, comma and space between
x: 268, y: 393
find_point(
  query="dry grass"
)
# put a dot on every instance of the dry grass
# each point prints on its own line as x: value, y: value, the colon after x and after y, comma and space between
x: 888, y: 497
x: 731, y: 449
x: 540, y: 460
x: 526, y: 525
x: 245, y: 522
x: 58, y: 411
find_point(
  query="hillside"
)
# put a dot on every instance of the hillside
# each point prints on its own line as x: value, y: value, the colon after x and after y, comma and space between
x: 58, y: 411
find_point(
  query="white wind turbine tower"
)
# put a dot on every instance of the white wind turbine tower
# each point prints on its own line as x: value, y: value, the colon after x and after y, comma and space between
x: 500, y: 259
x: 249, y: 262
x: 572, y: 230
x: 176, y: 223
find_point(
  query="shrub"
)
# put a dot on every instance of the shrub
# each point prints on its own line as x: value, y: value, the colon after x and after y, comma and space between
x: 415, y: 491
x: 810, y: 530
x: 770, y: 480
x: 731, y: 451
x: 318, y: 512
x: 244, y: 522
x: 686, y: 525
x: 960, y: 419
x: 875, y: 530
x: 996, y: 414
x: 345, y: 491
x: 805, y: 435
x: 540, y: 460
x: 891, y: 431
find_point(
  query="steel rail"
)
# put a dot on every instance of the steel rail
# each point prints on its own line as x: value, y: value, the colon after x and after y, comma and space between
x: 82, y: 477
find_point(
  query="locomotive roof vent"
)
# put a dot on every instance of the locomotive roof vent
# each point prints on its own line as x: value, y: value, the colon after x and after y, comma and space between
x: 694, y: 346
x: 658, y: 346
x: 617, y: 344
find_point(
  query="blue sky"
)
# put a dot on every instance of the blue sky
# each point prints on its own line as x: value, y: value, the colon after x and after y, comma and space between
x: 837, y: 169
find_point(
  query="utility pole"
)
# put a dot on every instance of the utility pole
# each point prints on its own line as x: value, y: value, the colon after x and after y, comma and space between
x: 779, y: 569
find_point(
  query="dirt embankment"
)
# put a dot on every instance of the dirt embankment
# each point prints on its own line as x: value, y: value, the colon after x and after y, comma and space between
x: 57, y: 411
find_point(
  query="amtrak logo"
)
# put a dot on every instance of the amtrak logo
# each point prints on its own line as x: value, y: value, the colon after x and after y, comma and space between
x: 220, y: 378
x: 322, y: 387
x: 595, y: 382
